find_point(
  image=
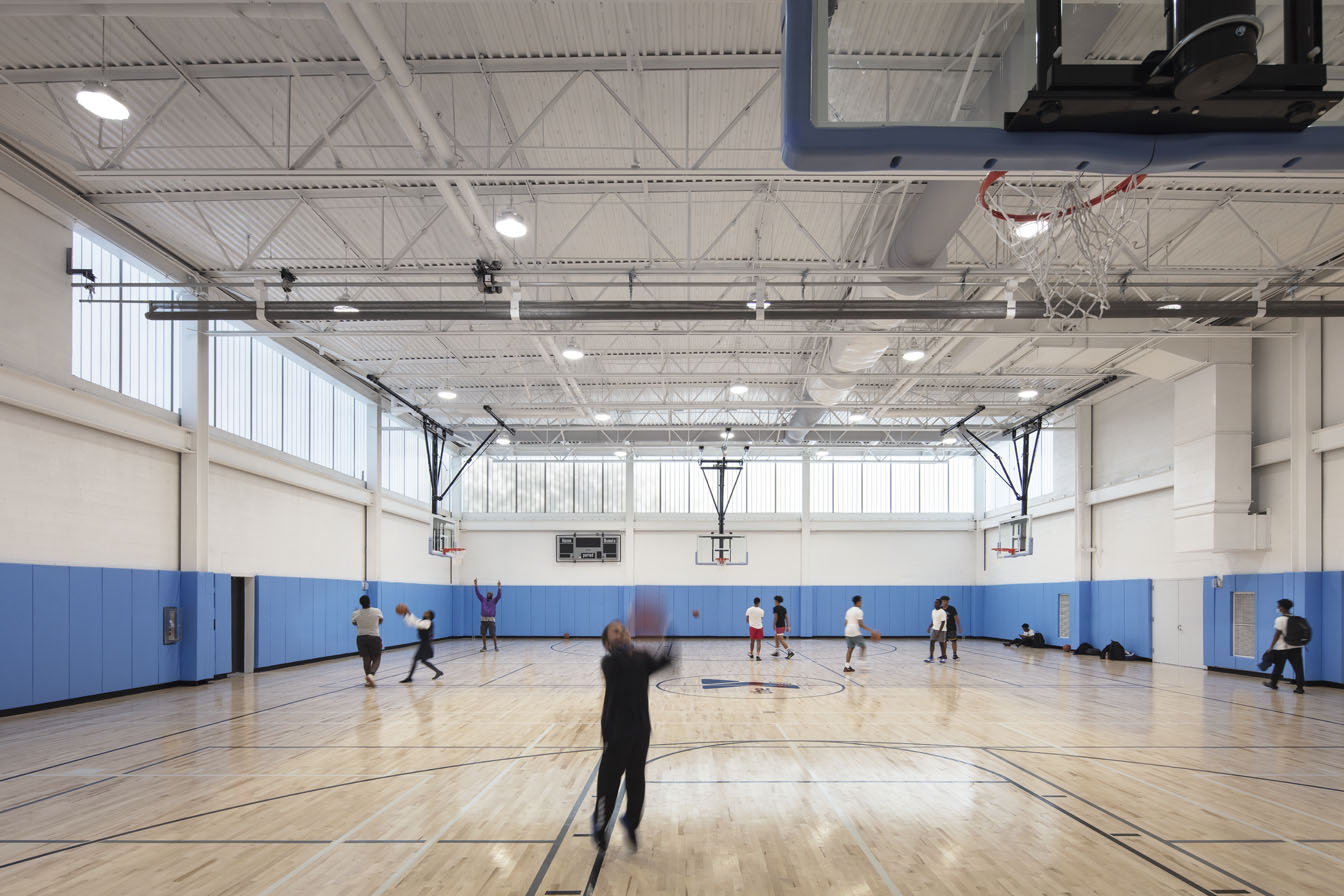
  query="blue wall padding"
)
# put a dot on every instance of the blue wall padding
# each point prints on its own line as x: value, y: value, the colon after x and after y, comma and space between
x: 86, y: 631
x: 223, y: 592
x: 16, y: 660
x: 1317, y: 596
x: 51, y: 633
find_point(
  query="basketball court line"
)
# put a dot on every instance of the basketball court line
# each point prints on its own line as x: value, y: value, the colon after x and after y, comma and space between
x: 419, y: 853
x: 1187, y: 768
x: 564, y: 831
x: 341, y: 839
x: 102, y: 780
x: 843, y: 815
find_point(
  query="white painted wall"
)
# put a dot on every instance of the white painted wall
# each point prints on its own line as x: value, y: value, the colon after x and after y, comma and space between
x: 34, y: 291
x: 1332, y: 509
x: 1051, y: 559
x: 259, y: 526
x: 74, y: 496
x: 1132, y: 433
x: 405, y: 555
x: 892, y: 558
x: 1332, y: 372
x: 1271, y: 379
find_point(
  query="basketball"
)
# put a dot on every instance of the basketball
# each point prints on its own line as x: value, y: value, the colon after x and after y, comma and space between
x: 402, y: 609
x: 695, y: 614
x: 877, y: 635
x: 566, y: 636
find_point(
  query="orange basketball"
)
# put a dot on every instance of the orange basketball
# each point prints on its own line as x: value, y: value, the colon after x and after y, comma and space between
x: 695, y: 614
x: 401, y: 609
x: 877, y: 636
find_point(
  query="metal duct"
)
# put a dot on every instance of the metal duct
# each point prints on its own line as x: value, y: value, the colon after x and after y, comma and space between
x: 591, y: 312
x: 921, y: 243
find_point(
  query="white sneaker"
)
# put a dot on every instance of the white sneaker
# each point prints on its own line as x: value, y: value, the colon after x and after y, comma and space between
x: 368, y: 681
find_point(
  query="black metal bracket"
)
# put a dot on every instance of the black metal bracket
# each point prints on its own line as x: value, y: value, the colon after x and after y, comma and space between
x: 486, y: 281
x: 721, y: 468
x: 86, y: 273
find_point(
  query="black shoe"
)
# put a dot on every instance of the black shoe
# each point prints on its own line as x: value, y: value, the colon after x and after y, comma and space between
x: 758, y: 657
x: 437, y: 675
x: 1299, y: 690
x: 630, y: 833
x: 599, y: 837
x: 1271, y: 685
x: 405, y: 681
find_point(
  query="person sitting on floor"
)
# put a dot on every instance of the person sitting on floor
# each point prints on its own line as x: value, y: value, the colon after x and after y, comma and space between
x: 1024, y: 640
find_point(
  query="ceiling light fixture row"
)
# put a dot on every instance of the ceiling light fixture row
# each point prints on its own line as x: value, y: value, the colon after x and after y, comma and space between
x: 510, y: 224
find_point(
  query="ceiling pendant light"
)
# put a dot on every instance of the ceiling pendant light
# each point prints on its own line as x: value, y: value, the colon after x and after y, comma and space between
x: 572, y: 352
x: 503, y: 440
x: 949, y: 440
x: 511, y: 224
x: 857, y: 417
x: 738, y: 388
x: 345, y: 309
x: 602, y: 417
x: 1028, y: 394
x: 102, y: 100
x: 447, y: 394
x: 1031, y: 229
x: 913, y: 354
x: 727, y: 433
x: 98, y: 97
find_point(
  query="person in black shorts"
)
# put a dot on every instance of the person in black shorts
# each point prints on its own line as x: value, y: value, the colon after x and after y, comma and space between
x: 625, y: 728
x: 424, y: 628
x: 953, y: 625
x: 781, y: 627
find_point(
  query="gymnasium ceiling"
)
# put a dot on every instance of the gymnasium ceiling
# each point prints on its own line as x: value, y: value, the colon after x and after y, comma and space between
x: 639, y: 139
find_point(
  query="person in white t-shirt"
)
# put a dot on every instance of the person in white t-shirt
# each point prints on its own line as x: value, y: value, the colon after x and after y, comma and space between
x: 1024, y: 640
x: 755, y: 629
x: 1281, y: 652
x: 367, y: 640
x: 853, y: 624
x: 938, y: 631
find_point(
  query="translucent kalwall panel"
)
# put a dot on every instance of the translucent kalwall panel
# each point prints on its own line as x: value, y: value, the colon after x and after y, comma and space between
x: 674, y: 476
x: 647, y: 486
x: 503, y: 487
x: 933, y: 488
x: 560, y: 488
x: 760, y: 476
x: 876, y: 486
x: 848, y: 486
x: 531, y: 487
x: 267, y: 397
x: 363, y: 410
x: 613, y: 488
x: 961, y: 485
x: 588, y: 487
x: 343, y: 433
x: 233, y: 386
x: 905, y: 487
x: 320, y: 407
x: 298, y: 392
x: 473, y: 487
x: 788, y: 486
x: 822, y: 486
x: 703, y: 486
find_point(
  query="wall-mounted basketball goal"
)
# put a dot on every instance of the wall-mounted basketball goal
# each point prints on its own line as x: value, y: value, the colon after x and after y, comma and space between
x: 721, y: 547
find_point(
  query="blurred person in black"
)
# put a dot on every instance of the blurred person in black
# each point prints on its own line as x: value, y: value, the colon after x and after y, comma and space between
x: 625, y: 728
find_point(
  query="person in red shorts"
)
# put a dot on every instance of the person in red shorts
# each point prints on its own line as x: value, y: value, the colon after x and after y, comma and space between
x: 755, y: 629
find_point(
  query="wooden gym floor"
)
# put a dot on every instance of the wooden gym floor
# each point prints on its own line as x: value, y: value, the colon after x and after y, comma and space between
x: 1012, y: 771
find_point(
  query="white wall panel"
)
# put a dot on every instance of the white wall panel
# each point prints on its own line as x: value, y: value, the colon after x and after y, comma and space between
x: 34, y: 291
x: 406, y: 556
x: 891, y: 558
x: 1332, y: 373
x: 264, y: 527
x: 1332, y: 509
x: 1271, y: 382
x: 1051, y: 559
x: 1132, y: 433
x: 70, y: 495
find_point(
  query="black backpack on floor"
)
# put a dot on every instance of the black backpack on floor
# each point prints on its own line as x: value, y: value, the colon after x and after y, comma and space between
x: 1086, y: 649
x: 1038, y: 640
x: 1297, y: 633
x: 1114, y: 651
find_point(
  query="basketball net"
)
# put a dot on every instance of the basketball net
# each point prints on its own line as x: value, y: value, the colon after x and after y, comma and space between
x: 1065, y: 235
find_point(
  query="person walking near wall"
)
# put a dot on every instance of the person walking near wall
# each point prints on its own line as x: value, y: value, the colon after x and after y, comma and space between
x: 625, y: 728
x: 368, y: 641
x: 488, y: 604
x: 781, y: 627
x: 755, y: 629
x: 853, y: 626
x: 1286, y: 647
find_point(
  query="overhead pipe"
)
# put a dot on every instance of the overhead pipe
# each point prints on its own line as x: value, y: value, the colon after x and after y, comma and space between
x: 908, y: 309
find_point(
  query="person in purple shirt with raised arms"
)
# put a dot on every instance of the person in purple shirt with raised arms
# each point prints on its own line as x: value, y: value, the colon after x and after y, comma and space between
x: 489, y: 601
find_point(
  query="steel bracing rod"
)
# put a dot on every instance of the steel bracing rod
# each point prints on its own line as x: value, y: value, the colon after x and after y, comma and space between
x: 1060, y: 405
x: 1026, y: 463
x: 501, y: 423
x: 982, y: 450
x: 956, y: 426
x: 436, y: 435
x: 485, y: 443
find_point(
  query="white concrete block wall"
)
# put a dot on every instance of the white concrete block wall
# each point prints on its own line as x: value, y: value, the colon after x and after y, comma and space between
x: 74, y: 496
x: 1051, y: 559
x: 405, y: 554
x: 34, y: 291
x: 259, y: 526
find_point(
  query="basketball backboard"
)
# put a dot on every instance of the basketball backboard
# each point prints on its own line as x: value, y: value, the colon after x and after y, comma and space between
x: 1021, y: 96
x: 724, y: 549
x: 1015, y: 539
